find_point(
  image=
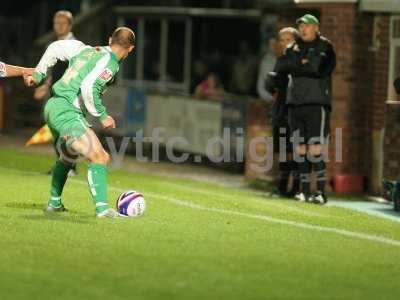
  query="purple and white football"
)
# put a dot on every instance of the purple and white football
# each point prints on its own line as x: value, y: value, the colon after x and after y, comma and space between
x: 131, y: 204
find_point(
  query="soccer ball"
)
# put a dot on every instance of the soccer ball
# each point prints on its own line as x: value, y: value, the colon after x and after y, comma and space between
x: 131, y: 204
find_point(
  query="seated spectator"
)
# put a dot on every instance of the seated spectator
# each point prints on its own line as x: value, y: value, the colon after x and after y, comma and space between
x: 210, y: 88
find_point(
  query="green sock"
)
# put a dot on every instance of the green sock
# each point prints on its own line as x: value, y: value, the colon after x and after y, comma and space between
x: 59, y: 177
x: 97, y: 179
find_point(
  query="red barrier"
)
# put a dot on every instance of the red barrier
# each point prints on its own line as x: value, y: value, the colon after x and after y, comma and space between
x: 346, y: 183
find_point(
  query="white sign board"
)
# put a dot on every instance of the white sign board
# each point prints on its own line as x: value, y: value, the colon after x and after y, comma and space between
x: 195, y: 121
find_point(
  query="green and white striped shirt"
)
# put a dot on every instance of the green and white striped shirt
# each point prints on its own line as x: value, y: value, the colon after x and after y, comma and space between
x: 90, y: 71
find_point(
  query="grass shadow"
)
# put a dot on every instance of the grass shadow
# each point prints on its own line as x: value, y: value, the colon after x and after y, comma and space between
x: 24, y: 205
x: 60, y: 217
x: 260, y: 185
x: 33, y: 206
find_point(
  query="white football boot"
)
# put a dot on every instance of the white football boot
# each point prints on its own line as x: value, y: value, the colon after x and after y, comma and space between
x: 300, y: 197
x: 108, y: 213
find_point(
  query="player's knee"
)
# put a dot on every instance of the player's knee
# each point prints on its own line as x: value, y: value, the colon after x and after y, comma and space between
x: 106, y: 158
x: 103, y: 158
x: 67, y: 161
x: 301, y: 150
x: 100, y: 157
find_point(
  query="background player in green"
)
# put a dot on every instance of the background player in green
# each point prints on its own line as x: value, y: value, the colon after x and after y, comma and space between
x: 78, y: 92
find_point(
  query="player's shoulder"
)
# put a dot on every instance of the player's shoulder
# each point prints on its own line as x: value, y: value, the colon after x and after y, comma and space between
x: 68, y: 43
x: 112, y: 66
x: 113, y: 62
x: 106, y: 51
x: 325, y: 40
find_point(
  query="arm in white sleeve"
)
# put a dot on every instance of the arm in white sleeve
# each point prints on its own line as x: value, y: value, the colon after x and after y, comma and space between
x: 60, y: 50
x: 3, y: 69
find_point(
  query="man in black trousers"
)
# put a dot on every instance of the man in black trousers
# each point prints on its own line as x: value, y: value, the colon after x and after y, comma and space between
x: 277, y: 84
x: 310, y: 61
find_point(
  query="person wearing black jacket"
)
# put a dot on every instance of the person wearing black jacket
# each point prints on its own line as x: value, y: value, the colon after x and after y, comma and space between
x: 277, y: 84
x: 310, y: 62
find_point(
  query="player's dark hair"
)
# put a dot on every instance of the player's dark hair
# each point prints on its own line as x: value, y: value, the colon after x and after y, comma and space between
x: 123, y: 36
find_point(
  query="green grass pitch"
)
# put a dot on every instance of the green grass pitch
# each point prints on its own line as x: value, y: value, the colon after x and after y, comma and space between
x: 196, y: 241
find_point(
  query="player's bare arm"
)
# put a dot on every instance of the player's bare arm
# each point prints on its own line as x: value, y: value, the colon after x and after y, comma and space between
x: 7, y: 70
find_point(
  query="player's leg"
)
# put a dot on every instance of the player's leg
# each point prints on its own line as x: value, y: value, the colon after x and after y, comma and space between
x: 297, y: 121
x: 89, y: 146
x: 292, y: 164
x: 52, y: 112
x: 304, y: 169
x: 294, y: 172
x: 80, y: 139
x: 319, y: 132
x: 283, y: 165
x: 72, y: 169
x: 59, y: 177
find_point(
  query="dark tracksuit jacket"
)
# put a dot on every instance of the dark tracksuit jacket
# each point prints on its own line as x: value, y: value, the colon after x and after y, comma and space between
x: 311, y: 82
x: 278, y: 82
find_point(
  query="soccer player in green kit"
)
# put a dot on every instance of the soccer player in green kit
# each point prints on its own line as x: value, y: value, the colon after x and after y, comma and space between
x: 78, y: 92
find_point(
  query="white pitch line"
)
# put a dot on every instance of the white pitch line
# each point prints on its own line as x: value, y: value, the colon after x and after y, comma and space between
x: 347, y: 233
x: 343, y: 232
x: 220, y: 195
x: 263, y: 201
